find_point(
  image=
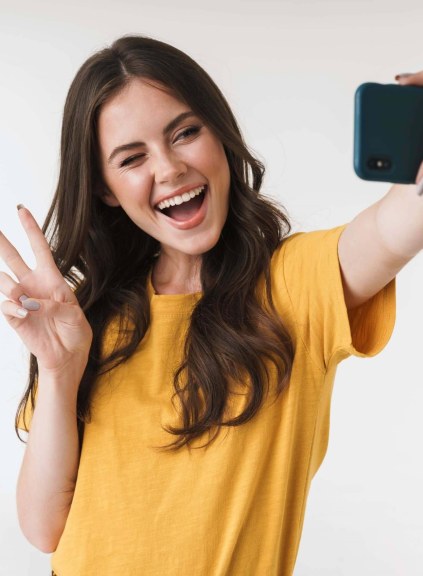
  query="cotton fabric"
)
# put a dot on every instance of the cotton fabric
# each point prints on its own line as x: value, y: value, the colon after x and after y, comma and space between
x: 237, y: 507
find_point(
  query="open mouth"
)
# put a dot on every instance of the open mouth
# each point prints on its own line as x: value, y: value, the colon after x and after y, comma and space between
x: 185, y: 207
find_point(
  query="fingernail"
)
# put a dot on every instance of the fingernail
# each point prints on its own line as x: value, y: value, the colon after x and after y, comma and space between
x: 22, y: 298
x: 31, y: 305
x: 419, y: 189
x: 19, y: 206
x: 21, y: 312
x: 404, y: 75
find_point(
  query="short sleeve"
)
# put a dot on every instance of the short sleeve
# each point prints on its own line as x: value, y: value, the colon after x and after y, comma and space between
x: 306, y: 269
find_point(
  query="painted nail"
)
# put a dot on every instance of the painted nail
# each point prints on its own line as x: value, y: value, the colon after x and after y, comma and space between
x: 404, y: 75
x: 31, y: 305
x: 23, y: 297
x: 21, y: 312
x: 19, y: 206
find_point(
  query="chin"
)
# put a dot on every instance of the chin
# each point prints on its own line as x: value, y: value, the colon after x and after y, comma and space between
x: 204, y: 245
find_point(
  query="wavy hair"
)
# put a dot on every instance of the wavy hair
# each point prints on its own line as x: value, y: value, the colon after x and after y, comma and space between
x: 234, y: 331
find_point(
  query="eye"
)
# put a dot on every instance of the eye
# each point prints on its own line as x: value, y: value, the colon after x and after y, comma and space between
x: 188, y: 132
x: 130, y: 160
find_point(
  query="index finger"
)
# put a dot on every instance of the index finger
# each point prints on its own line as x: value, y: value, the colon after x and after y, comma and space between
x: 12, y: 258
x: 39, y: 244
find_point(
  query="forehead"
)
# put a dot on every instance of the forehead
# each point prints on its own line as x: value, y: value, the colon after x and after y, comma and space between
x: 139, y: 106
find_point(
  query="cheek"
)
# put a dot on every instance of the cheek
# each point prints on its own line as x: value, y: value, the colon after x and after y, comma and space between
x: 131, y: 184
x: 211, y: 158
x: 222, y: 168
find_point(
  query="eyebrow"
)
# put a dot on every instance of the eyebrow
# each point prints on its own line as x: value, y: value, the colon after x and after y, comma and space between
x: 166, y: 130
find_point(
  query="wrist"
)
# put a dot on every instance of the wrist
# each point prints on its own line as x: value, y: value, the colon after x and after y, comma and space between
x: 63, y: 380
x: 73, y: 369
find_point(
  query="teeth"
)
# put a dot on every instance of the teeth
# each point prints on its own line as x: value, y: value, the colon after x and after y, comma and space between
x: 176, y: 200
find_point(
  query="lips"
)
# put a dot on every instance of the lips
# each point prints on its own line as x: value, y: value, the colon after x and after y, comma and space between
x: 187, y: 214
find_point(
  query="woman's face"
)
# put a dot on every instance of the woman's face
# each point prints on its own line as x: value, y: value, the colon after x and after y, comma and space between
x: 164, y: 167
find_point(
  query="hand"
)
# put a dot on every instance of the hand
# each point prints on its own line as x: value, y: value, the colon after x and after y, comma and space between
x: 58, y: 333
x: 413, y: 79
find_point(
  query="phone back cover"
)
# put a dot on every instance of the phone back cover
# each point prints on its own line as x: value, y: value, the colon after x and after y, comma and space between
x: 388, y: 123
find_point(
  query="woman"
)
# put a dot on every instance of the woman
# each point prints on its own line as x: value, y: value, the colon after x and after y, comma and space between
x: 183, y: 346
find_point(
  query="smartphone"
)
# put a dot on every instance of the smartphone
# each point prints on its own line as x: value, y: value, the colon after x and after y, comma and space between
x: 388, y: 132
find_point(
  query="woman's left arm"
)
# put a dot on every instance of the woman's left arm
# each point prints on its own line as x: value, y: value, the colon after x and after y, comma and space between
x: 383, y: 238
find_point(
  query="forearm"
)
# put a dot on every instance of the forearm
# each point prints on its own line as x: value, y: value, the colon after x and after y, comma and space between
x: 379, y: 242
x: 48, y: 474
x: 399, y: 220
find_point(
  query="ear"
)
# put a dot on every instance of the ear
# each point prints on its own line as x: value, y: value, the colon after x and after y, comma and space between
x: 109, y: 198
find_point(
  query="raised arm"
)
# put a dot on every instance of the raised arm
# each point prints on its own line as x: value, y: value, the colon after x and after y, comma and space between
x: 383, y: 238
x: 60, y: 337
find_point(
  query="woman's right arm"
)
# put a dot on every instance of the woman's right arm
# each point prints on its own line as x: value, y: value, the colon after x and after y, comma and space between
x: 45, y: 314
x: 50, y: 465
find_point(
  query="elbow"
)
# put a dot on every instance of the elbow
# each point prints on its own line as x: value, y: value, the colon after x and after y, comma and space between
x: 45, y: 540
x: 45, y: 547
x: 45, y: 543
x: 42, y: 526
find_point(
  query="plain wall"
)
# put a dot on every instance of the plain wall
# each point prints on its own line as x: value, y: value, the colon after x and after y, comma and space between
x: 289, y: 70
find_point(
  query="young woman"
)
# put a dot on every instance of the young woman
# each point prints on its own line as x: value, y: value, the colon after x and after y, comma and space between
x: 183, y: 344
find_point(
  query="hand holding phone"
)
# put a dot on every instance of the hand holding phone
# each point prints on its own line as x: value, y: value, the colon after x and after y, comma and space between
x: 388, y: 132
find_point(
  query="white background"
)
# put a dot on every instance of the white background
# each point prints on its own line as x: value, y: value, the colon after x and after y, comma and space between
x: 290, y: 70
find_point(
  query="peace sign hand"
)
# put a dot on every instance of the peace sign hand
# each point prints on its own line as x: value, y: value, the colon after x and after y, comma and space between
x: 58, y: 333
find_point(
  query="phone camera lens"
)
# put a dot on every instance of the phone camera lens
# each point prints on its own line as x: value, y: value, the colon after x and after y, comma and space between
x: 379, y: 164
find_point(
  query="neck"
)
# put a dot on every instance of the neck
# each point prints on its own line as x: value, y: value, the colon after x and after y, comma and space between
x: 176, y: 274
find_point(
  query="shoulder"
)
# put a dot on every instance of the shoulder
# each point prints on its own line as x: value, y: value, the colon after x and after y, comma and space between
x: 301, y: 252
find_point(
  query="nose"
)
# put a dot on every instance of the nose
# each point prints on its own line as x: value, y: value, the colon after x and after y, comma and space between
x: 168, y: 167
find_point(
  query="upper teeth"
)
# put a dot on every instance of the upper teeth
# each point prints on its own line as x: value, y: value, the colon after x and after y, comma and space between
x: 185, y: 197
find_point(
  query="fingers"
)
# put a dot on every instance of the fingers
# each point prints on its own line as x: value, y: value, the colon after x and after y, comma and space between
x: 10, y: 288
x: 12, y: 311
x: 419, y: 176
x: 36, y: 238
x: 65, y: 312
x: 407, y: 78
x: 13, y: 291
x: 12, y: 258
x: 416, y: 79
x: 39, y: 245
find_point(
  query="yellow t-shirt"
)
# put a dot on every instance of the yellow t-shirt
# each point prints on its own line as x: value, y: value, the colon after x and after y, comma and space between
x: 236, y: 508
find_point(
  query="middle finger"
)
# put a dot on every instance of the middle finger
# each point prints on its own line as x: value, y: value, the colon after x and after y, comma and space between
x: 39, y: 244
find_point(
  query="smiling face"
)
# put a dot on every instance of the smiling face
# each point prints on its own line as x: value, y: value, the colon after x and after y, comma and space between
x: 164, y: 167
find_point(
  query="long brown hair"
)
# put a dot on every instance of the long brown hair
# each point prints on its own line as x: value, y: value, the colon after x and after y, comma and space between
x: 106, y: 258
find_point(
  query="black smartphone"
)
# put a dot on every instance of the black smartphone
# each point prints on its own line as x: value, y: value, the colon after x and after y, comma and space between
x: 388, y: 132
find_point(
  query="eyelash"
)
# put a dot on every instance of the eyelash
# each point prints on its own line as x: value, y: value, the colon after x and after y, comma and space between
x: 191, y: 131
x: 128, y: 161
